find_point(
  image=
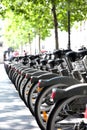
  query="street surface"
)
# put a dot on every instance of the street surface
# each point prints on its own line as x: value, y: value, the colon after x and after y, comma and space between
x: 14, y: 115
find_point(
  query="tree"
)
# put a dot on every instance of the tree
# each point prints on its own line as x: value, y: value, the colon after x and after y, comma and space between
x: 37, y: 16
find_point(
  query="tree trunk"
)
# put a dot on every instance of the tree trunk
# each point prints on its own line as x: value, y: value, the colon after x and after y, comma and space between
x: 29, y: 42
x: 69, y: 40
x: 39, y: 44
x: 55, y: 25
x: 69, y: 28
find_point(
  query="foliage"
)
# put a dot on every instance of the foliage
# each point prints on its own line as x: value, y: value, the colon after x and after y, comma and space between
x: 34, y: 17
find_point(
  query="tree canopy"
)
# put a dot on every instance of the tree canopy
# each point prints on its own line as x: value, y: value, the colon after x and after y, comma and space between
x: 35, y: 17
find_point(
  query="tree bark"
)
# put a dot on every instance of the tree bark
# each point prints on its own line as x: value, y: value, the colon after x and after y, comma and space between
x: 39, y: 44
x: 69, y: 27
x: 55, y: 25
x: 69, y: 38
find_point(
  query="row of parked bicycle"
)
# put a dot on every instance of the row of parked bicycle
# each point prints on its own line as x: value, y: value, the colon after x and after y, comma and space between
x: 53, y: 86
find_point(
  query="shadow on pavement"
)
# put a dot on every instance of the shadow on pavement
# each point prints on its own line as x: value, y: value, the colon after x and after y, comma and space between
x: 14, y: 115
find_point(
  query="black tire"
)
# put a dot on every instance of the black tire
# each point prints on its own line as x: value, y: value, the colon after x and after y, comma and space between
x: 43, y: 104
x: 31, y: 97
x: 66, y: 110
x: 25, y: 91
x: 21, y: 86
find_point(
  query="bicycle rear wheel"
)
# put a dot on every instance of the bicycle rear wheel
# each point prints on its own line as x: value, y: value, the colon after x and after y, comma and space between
x: 43, y: 104
x: 66, y: 113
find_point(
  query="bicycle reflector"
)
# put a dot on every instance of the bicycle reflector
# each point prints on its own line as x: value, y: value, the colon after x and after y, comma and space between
x: 39, y: 88
x: 19, y: 72
x: 31, y: 78
x: 85, y: 113
x: 53, y: 93
x: 26, y: 75
x: 45, y: 116
x: 39, y: 82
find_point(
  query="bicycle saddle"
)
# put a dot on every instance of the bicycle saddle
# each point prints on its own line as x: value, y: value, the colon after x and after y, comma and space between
x: 82, y: 53
x: 58, y: 53
x: 59, y: 61
x: 43, y: 61
x: 31, y: 57
x: 51, y: 62
x: 72, y: 55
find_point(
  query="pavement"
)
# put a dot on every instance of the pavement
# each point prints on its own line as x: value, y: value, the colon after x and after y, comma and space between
x: 14, y: 115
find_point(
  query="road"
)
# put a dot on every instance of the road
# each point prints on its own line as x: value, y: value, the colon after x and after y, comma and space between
x: 14, y: 115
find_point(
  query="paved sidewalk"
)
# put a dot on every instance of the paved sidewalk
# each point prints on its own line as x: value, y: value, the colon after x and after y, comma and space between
x: 14, y: 115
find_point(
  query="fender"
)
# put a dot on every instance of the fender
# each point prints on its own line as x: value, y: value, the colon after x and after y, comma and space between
x: 77, y: 89
x: 48, y: 75
x: 35, y: 73
x: 59, y: 80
